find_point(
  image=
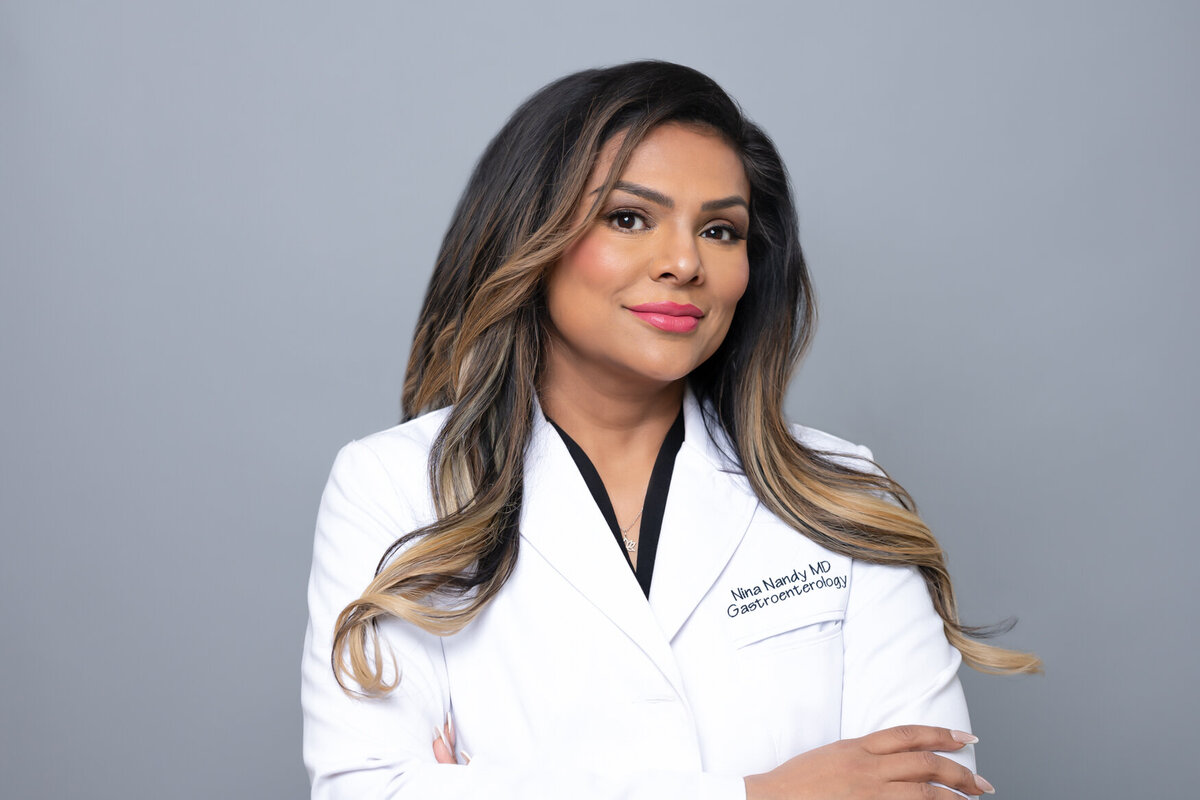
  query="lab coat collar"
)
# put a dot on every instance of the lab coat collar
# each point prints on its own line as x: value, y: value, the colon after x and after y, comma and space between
x: 709, y: 507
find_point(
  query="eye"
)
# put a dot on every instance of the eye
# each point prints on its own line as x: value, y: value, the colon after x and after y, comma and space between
x: 722, y: 233
x: 627, y: 220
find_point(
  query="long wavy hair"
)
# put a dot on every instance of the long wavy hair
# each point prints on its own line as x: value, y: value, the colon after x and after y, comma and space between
x: 479, y: 348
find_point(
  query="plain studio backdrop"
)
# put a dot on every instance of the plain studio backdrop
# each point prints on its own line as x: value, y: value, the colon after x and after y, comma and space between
x: 217, y: 220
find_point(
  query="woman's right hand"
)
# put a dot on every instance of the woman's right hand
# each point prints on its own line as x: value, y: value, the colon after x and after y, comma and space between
x: 895, y: 763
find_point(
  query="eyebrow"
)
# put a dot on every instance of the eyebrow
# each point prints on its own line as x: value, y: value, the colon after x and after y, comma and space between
x: 646, y: 193
x: 726, y: 202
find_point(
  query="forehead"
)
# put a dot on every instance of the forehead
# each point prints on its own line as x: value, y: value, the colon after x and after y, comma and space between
x: 686, y: 157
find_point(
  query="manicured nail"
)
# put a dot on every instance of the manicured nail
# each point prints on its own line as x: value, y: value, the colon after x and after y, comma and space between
x: 964, y: 737
x: 466, y: 755
x: 984, y: 785
x: 442, y: 735
x: 449, y: 722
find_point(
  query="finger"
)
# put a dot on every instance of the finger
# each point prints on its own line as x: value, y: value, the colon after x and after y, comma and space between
x: 907, y: 738
x: 921, y: 791
x: 924, y: 766
x: 441, y: 749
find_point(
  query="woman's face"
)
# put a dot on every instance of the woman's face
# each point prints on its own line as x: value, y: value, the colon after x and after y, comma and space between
x: 648, y: 293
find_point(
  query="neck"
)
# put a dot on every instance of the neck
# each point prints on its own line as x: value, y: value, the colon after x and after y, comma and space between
x: 612, y: 420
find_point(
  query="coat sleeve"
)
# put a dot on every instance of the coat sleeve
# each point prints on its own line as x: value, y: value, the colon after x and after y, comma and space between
x: 364, y: 748
x: 899, y: 668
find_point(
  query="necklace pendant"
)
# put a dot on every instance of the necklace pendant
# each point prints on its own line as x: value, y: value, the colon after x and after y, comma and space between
x: 630, y: 544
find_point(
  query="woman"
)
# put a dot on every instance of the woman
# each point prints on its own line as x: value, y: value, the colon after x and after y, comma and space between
x: 595, y: 540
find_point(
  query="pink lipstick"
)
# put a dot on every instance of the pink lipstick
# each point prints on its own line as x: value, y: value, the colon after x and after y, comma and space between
x: 670, y: 317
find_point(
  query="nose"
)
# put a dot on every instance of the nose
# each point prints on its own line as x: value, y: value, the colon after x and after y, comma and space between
x: 678, y: 260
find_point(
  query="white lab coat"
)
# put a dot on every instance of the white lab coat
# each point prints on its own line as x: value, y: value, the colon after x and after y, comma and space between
x: 756, y: 644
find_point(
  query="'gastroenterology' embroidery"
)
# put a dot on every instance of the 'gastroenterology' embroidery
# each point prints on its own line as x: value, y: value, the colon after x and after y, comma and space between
x: 778, y: 590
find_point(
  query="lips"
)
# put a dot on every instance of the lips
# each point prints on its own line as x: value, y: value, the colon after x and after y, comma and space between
x: 670, y: 317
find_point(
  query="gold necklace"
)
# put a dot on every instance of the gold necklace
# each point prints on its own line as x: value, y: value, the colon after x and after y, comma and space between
x: 630, y: 544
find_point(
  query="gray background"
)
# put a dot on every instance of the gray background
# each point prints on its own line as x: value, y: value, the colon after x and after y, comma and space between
x: 216, y: 221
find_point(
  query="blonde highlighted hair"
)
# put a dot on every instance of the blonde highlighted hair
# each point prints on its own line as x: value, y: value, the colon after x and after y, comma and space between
x: 479, y: 343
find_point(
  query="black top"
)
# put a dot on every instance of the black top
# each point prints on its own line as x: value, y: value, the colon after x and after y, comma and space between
x: 653, y: 506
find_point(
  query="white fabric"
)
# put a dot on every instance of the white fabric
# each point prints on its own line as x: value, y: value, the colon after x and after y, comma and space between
x: 569, y: 684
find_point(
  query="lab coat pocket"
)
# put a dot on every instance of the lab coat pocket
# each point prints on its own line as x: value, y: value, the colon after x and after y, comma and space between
x: 772, y: 634
x: 795, y: 671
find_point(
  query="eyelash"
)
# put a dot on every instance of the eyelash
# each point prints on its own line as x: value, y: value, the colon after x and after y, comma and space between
x: 612, y: 217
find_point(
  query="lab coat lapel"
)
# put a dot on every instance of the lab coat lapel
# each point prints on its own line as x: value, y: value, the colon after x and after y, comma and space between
x: 709, y: 507
x: 561, y: 521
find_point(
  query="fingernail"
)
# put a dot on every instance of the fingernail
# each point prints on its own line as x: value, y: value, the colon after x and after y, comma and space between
x: 442, y: 735
x: 964, y: 737
x: 449, y: 722
x: 984, y: 785
x: 466, y: 755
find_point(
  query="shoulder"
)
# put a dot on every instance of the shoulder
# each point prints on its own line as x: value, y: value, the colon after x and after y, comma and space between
x: 716, y: 444
x: 872, y: 583
x: 835, y: 449
x: 391, y: 467
x: 401, y: 448
x: 401, y: 445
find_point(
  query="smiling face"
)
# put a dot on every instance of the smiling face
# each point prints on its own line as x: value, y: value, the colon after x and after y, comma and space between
x: 648, y: 292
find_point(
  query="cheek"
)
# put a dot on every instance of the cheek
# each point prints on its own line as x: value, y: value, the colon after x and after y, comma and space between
x: 743, y: 281
x: 733, y: 285
x: 589, y: 265
x: 583, y: 286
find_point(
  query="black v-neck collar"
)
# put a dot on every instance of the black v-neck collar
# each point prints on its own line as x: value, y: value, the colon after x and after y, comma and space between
x: 653, y: 507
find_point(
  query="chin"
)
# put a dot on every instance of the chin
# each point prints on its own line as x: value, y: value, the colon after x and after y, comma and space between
x: 665, y: 372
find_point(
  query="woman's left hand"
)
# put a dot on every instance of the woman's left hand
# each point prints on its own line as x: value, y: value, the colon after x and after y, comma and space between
x: 444, y: 743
